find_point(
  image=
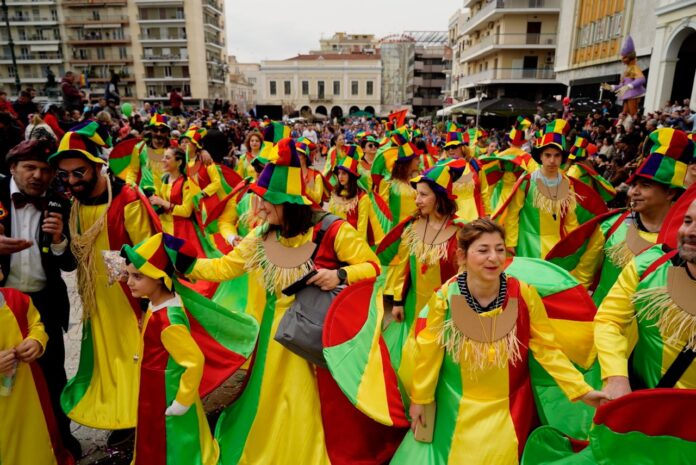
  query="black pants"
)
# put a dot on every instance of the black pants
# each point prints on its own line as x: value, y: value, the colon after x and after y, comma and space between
x: 52, y: 362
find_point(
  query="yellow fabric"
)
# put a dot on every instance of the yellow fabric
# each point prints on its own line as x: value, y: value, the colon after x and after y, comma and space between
x: 314, y: 188
x: 244, y: 167
x: 227, y: 222
x: 511, y: 220
x: 215, y: 186
x: 24, y: 437
x: 289, y: 410
x: 364, y: 207
x: 154, y: 162
x: 177, y: 340
x: 614, y: 324
x: 110, y: 401
x: 184, y: 210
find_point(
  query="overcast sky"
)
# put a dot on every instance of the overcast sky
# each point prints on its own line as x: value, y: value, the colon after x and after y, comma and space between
x: 275, y: 29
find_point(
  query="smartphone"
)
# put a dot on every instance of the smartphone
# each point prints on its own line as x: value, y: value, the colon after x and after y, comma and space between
x: 424, y: 432
x: 298, y: 285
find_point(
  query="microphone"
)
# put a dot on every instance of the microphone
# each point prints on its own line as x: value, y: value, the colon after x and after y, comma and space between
x: 46, y: 238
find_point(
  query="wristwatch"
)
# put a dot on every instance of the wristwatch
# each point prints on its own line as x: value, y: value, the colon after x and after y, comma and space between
x: 342, y: 275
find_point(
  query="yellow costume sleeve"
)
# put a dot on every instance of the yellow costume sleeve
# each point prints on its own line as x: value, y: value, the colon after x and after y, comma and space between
x: 228, y: 267
x: 429, y: 352
x: 352, y: 249
x: 613, y: 322
x: 574, y: 172
x: 177, y: 340
x: 547, y: 351
x: 186, y: 208
x: 215, y: 181
x: 315, y: 189
x: 240, y: 167
x: 227, y: 223
x: 512, y: 217
x: 396, y: 273
x: 364, y: 206
x: 485, y: 194
x: 36, y: 327
x: 590, y: 261
x: 137, y: 222
x: 134, y: 165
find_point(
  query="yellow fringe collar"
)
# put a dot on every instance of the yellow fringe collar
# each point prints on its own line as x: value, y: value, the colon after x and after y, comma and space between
x: 429, y: 254
x: 274, y: 277
x: 342, y: 206
x: 479, y: 356
x: 619, y: 254
x: 554, y: 206
x: 676, y: 326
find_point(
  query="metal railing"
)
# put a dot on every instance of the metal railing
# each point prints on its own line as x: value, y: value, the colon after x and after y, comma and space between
x: 507, y: 39
x: 499, y: 74
x: 490, y: 6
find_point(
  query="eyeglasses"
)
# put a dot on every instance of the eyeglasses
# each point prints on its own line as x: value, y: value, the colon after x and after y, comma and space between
x: 64, y: 175
x: 451, y: 147
x: 160, y: 129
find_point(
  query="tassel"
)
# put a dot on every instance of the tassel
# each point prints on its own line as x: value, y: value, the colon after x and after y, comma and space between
x: 554, y: 207
x: 619, y: 254
x: 274, y: 277
x: 676, y: 326
x: 427, y: 254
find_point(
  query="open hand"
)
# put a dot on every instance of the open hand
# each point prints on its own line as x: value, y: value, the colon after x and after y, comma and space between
x: 10, y: 245
x: 595, y: 398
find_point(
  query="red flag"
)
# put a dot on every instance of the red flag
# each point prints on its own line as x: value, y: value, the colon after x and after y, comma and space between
x: 398, y: 117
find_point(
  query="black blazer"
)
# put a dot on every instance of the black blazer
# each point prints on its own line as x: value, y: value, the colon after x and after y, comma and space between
x: 52, y: 265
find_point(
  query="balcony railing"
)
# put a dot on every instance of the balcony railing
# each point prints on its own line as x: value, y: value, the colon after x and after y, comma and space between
x: 492, y: 5
x: 508, y: 74
x: 82, y: 20
x: 28, y: 19
x: 93, y: 3
x: 163, y: 58
x: 146, y: 38
x: 505, y: 40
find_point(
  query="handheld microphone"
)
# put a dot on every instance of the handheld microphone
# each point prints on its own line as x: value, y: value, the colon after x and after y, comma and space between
x: 46, y: 238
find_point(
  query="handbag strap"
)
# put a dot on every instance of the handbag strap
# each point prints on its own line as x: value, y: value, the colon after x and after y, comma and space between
x: 677, y: 369
x: 326, y: 222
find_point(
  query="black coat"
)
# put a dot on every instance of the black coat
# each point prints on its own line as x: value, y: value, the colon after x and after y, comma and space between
x: 59, y: 314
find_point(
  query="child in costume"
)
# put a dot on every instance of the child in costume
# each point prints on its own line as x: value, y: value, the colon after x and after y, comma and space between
x: 172, y: 427
x: 541, y: 208
x: 28, y: 430
x: 472, y: 351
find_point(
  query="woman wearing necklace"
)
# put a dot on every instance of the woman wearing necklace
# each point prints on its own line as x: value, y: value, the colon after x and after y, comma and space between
x: 472, y: 347
x: 421, y: 252
x: 541, y: 209
x: 290, y: 410
x: 350, y: 202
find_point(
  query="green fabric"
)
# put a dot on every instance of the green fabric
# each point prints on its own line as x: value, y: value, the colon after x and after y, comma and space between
x: 610, y: 271
x: 612, y: 448
x: 234, y: 424
x: 528, y: 243
x: 548, y: 446
x: 77, y: 386
x: 182, y: 432
x: 544, y: 276
x: 147, y: 182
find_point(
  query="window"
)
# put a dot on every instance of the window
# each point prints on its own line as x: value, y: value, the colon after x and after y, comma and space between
x: 12, y: 72
x: 305, y: 87
x: 353, y: 87
x: 167, y: 71
x: 337, y: 87
x: 100, y: 53
x: 369, y: 87
x: 273, y: 88
x: 320, y: 89
x: 122, y: 53
x: 286, y: 87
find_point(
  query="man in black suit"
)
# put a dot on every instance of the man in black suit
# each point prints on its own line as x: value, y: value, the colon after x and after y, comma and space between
x: 33, y: 251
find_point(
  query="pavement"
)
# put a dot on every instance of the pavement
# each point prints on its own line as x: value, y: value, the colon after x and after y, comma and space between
x: 93, y: 441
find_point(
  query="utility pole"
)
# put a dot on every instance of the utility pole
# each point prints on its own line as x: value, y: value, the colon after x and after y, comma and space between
x: 18, y: 83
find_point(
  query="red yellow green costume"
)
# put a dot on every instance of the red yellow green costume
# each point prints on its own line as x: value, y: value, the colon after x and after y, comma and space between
x: 103, y: 392
x: 145, y: 167
x: 581, y: 170
x: 479, y: 397
x: 28, y: 430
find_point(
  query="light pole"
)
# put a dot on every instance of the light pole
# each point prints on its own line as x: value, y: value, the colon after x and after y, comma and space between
x: 479, y: 92
x: 18, y: 83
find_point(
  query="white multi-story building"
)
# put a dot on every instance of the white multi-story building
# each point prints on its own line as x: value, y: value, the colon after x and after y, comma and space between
x: 330, y: 84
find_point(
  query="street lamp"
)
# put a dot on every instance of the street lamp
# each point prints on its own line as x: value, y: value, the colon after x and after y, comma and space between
x: 479, y: 92
x: 11, y: 45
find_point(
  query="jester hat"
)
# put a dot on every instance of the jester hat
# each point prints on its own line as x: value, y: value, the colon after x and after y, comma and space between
x: 581, y: 149
x: 518, y: 133
x: 195, y: 135
x: 274, y: 131
x: 349, y: 163
x: 629, y: 48
x: 441, y: 178
x: 454, y: 136
x: 158, y: 119
x: 281, y: 179
x: 85, y: 141
x: 554, y: 135
x: 305, y: 146
x: 670, y: 151
x: 150, y: 258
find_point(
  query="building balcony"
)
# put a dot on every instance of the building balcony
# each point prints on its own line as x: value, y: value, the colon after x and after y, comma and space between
x: 213, y: 6
x: 98, y: 41
x: 162, y: 40
x: 495, y: 42
x: 160, y: 2
x: 494, y: 9
x: 104, y: 21
x: 164, y: 59
x: 427, y: 101
x: 215, y: 45
x: 31, y: 2
x: 32, y: 59
x: 153, y: 21
x: 172, y: 79
x: 509, y: 76
x: 102, y: 61
x: 213, y: 26
x: 30, y: 21
x: 420, y: 82
x: 33, y: 41
x: 93, y: 3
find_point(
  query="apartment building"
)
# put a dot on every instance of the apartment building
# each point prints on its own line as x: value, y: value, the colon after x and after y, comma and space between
x: 342, y: 42
x: 507, y: 48
x: 35, y: 30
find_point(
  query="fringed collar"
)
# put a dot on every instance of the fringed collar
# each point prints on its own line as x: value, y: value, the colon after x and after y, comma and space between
x: 341, y: 205
x: 621, y: 253
x: 428, y: 244
x: 672, y: 308
x: 556, y: 201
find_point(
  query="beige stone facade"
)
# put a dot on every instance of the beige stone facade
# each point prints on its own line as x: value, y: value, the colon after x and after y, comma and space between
x: 241, y: 87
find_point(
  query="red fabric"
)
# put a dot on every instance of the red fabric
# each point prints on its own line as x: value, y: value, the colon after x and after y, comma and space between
x: 576, y: 238
x: 522, y: 408
x: 53, y: 124
x: 398, y: 118
x: 577, y: 445
x: 675, y: 218
x: 572, y: 304
x: 352, y: 438
x: 653, y: 412
x: 516, y: 186
x: 151, y: 440
x: 588, y: 198
x: 230, y: 176
x: 124, y: 149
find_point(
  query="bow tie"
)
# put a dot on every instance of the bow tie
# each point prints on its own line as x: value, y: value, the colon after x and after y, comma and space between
x: 21, y: 200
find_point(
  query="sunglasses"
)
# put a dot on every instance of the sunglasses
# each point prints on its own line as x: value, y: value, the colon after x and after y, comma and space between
x: 451, y: 147
x: 370, y: 146
x: 64, y: 175
x: 161, y: 130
